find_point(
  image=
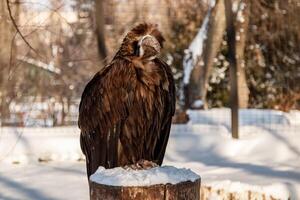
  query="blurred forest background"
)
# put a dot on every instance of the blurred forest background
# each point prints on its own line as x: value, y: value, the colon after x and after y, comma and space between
x: 50, y: 49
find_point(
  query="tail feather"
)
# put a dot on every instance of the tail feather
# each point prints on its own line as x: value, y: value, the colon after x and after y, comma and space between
x: 93, y: 146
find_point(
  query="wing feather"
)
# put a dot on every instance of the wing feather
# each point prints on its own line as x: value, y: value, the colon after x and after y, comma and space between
x: 104, y: 105
x: 105, y: 98
x: 169, y: 98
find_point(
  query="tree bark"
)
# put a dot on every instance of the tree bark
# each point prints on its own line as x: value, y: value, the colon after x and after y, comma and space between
x: 215, y: 33
x: 242, y: 22
x: 182, y: 191
x: 231, y: 40
x: 99, y: 17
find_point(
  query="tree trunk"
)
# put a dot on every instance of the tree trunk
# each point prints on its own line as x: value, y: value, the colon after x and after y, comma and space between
x: 182, y: 191
x: 7, y: 57
x: 242, y: 22
x: 63, y: 111
x: 231, y: 40
x: 99, y: 17
x: 215, y: 33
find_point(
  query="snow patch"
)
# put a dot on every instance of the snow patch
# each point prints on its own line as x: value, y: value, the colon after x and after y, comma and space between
x: 255, y: 117
x: 27, y: 145
x: 48, y: 67
x: 197, y: 104
x: 277, y: 190
x: 128, y: 177
x: 240, y: 14
x: 196, y: 48
x: 235, y: 6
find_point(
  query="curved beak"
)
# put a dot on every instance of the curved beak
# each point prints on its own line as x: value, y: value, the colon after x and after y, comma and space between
x: 147, y: 41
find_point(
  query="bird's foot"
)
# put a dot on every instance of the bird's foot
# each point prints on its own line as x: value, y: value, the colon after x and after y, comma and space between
x: 142, y: 165
x: 146, y: 164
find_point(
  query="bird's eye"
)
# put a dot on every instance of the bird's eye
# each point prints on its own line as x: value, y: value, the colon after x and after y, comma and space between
x: 135, y: 48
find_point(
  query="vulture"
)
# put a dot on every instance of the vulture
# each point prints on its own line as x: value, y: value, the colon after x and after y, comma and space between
x: 126, y: 110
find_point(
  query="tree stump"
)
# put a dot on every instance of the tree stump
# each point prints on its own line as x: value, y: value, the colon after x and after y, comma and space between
x: 139, y: 190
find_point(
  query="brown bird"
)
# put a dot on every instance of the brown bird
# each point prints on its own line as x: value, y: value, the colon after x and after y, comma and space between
x: 126, y: 110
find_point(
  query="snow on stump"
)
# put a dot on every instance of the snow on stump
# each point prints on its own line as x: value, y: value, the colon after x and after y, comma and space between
x: 164, y: 183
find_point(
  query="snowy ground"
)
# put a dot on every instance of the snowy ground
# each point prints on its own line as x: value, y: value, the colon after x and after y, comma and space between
x: 258, y: 160
x: 265, y: 159
x: 37, y: 181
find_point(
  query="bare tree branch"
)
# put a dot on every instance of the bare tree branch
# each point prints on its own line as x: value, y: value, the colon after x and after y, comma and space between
x: 17, y: 29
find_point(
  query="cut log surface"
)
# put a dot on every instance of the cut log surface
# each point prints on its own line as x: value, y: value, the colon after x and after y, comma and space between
x: 145, y: 190
x: 182, y: 191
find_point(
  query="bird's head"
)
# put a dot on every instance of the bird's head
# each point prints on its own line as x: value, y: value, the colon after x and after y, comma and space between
x: 144, y: 41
